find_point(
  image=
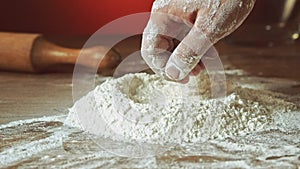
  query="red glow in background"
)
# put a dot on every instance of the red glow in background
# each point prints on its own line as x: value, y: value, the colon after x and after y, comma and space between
x: 65, y: 17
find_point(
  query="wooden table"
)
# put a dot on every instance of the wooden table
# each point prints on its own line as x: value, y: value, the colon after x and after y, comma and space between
x: 25, y: 96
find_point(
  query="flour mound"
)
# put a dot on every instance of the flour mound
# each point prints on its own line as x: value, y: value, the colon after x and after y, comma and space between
x: 145, y: 108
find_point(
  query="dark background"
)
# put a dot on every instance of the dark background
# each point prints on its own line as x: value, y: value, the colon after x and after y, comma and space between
x: 65, y: 17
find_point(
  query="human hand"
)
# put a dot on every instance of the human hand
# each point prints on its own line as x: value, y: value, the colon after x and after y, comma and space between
x: 180, y: 32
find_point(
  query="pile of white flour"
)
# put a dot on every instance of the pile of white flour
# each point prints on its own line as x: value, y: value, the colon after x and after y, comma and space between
x: 145, y: 108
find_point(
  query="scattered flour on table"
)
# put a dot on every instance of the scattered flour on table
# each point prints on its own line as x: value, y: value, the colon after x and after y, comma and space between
x: 145, y: 108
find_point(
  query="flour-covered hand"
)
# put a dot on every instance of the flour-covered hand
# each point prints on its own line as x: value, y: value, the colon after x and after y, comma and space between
x: 180, y: 32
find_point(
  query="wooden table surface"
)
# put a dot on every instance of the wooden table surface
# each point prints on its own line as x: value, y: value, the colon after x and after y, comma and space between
x: 48, y: 143
x: 24, y: 96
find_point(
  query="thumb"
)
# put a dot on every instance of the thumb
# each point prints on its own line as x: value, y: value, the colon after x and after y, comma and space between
x: 187, y: 55
x: 158, y: 39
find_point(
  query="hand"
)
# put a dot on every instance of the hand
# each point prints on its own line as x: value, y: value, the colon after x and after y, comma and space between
x: 180, y: 32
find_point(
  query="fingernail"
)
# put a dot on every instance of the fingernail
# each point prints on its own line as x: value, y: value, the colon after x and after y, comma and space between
x: 173, y: 72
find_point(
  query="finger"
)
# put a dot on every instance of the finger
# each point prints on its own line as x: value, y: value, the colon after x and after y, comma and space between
x: 196, y: 70
x: 187, y: 55
x: 158, y: 40
x: 155, y: 50
x: 185, y: 80
x: 201, y: 66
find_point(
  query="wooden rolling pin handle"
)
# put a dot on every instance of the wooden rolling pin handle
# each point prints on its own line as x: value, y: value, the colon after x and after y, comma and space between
x: 33, y: 53
x: 15, y: 51
x: 46, y: 54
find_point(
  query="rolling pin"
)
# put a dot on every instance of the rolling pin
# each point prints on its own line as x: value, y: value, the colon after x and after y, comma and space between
x: 33, y: 53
